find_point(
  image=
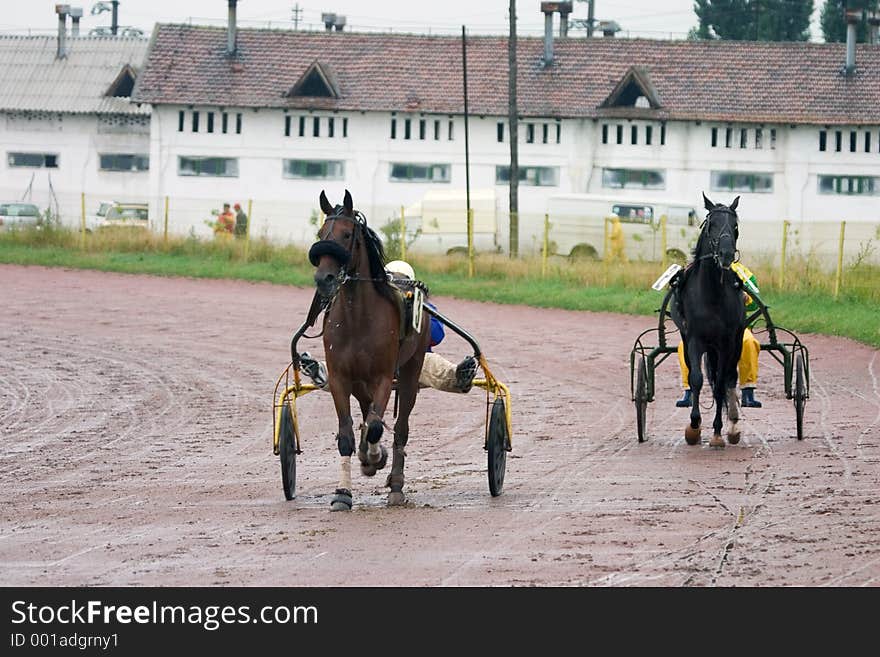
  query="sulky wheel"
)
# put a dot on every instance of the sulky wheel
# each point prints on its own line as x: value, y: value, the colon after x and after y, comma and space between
x: 497, y: 447
x: 800, y: 394
x: 641, y: 399
x: 287, y: 453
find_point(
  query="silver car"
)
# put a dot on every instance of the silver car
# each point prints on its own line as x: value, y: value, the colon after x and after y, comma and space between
x: 19, y: 215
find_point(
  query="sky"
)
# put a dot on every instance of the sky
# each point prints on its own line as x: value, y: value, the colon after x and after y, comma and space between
x: 642, y: 18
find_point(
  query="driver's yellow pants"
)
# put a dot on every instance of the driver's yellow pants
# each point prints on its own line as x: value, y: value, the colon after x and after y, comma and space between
x: 748, y: 362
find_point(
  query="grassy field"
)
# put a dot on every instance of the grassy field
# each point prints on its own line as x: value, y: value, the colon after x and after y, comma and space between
x: 806, y: 304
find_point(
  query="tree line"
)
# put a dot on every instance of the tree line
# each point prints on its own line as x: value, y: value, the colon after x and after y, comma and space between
x: 775, y: 20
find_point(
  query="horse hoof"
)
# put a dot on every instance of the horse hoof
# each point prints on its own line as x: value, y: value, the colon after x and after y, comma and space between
x: 341, y: 500
x: 691, y: 435
x: 368, y: 469
x: 733, y: 438
x: 716, y: 441
x: 396, y: 498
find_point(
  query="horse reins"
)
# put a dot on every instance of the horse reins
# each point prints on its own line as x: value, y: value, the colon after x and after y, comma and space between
x: 715, y: 242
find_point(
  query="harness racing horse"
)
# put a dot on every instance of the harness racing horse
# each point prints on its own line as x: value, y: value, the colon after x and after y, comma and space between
x: 364, y: 345
x: 710, y: 315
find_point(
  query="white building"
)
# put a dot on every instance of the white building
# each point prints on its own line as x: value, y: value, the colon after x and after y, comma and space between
x: 277, y: 116
x: 66, y: 123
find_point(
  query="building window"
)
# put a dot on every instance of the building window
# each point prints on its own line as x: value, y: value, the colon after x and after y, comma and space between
x: 451, y: 126
x: 558, y: 133
x: 823, y: 140
x: 422, y: 129
x: 604, y: 133
x: 224, y: 167
x: 238, y: 124
x: 437, y: 130
x: 536, y: 176
x: 195, y: 122
x: 35, y: 160
x: 663, y: 134
x: 330, y: 126
x: 867, y: 142
x: 287, y: 126
x: 181, y: 119
x: 500, y: 132
x: 224, y: 123
x: 314, y: 169
x: 772, y: 138
x: 759, y: 138
x: 741, y: 181
x: 394, y: 128
x: 714, y: 137
x: 852, y: 141
x: 345, y: 127
x: 302, y: 126
x: 743, y: 138
x: 407, y: 128
x: 210, y: 116
x: 633, y: 179
x: 649, y: 134
x: 850, y: 185
x: 838, y: 140
x: 530, y: 133
x: 545, y: 133
x: 620, y: 134
x: 634, y: 135
x: 316, y: 126
x: 123, y: 162
x: 728, y: 137
x: 436, y: 173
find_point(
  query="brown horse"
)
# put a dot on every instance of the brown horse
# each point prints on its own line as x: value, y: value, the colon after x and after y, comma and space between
x: 363, y: 345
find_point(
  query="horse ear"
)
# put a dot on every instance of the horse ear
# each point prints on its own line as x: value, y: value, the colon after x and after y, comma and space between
x: 326, y: 208
x: 734, y: 204
x: 347, y: 203
x: 709, y: 204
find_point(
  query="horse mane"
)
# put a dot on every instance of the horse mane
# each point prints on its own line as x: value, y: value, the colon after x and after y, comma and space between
x: 375, y: 255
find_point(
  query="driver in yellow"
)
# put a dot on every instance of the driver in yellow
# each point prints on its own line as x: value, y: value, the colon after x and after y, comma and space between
x: 748, y: 361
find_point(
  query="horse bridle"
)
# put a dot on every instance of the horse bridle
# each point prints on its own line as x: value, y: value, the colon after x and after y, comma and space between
x: 344, y: 256
x: 715, y: 242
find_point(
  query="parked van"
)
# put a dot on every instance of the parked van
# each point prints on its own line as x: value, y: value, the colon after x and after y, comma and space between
x: 577, y: 225
x: 441, y: 216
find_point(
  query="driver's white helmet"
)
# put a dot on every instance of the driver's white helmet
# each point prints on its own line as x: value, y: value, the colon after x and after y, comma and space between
x: 402, y: 268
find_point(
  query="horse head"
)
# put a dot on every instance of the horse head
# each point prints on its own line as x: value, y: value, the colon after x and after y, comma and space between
x: 347, y: 249
x: 720, y: 233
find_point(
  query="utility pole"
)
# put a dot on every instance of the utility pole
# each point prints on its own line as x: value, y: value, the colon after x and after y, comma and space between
x: 591, y: 15
x: 296, y: 13
x: 514, y: 135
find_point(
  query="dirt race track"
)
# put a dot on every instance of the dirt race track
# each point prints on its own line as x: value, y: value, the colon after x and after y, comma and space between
x: 135, y: 418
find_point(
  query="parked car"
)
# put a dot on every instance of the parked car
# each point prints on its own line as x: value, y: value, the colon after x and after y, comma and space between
x: 18, y: 214
x: 115, y: 213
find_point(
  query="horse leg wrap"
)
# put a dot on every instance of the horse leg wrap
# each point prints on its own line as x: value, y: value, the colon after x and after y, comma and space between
x: 374, y: 431
x: 345, y: 444
x: 342, y: 500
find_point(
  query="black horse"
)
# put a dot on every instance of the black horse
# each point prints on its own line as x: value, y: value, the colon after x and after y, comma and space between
x: 710, y: 315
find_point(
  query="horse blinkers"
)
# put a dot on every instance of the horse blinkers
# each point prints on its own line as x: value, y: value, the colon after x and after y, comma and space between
x: 328, y: 279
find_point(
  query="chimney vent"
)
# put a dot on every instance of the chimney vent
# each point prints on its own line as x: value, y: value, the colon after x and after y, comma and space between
x: 852, y: 16
x: 874, y: 28
x: 329, y: 21
x: 62, y: 11
x: 548, y: 9
x: 231, y: 37
x: 75, y: 14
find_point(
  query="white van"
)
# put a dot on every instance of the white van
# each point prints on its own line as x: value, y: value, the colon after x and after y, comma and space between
x: 441, y: 216
x: 577, y: 225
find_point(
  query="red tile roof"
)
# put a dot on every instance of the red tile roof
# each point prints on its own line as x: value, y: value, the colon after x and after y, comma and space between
x: 706, y: 80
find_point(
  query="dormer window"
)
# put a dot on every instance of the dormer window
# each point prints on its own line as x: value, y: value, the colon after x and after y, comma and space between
x: 317, y: 82
x: 122, y: 86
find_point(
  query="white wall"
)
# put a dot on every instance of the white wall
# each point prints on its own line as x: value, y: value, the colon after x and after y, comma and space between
x: 77, y: 140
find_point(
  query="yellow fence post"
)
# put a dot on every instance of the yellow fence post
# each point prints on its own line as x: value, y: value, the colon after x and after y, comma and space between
x: 82, y: 235
x: 470, y: 231
x: 785, y: 225
x: 165, y: 229
x: 247, y: 230
x: 402, y: 233
x: 837, y: 279
x: 663, y: 241
x: 606, y: 249
x: 546, y: 246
